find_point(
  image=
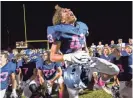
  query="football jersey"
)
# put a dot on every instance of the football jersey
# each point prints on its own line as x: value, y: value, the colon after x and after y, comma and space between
x: 123, y: 65
x: 6, y: 71
x: 28, y: 68
x: 71, y: 37
x: 49, y: 70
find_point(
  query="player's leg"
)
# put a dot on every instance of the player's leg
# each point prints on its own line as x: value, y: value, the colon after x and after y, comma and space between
x: 73, y: 93
x: 61, y: 86
x: 106, y: 68
x: 33, y: 87
x: 26, y: 91
x: 30, y: 89
x: 18, y: 77
x: 2, y: 93
x: 116, y: 81
x: 49, y: 89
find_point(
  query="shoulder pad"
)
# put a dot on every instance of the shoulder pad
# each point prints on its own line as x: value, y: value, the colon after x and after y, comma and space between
x: 84, y: 27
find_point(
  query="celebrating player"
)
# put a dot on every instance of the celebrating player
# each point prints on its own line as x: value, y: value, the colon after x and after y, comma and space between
x: 68, y: 35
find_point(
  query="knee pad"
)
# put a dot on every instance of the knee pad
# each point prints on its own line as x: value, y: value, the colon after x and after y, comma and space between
x: 33, y: 88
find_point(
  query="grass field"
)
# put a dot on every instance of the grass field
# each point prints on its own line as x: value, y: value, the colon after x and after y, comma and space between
x: 95, y: 94
x: 90, y: 94
x: 86, y: 94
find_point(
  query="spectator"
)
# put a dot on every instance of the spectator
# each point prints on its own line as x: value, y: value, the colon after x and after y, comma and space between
x: 106, y: 54
x: 100, y: 45
x: 99, y: 52
x: 106, y: 45
x: 93, y: 47
x: 91, y: 52
x: 112, y: 43
x: 111, y: 53
x: 130, y: 41
x: 127, y: 51
x: 121, y: 44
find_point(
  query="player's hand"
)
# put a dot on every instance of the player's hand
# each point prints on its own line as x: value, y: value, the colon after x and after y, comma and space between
x: 77, y: 57
x: 14, y: 94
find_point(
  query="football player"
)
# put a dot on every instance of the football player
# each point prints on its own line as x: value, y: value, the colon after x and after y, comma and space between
x: 52, y: 73
x: 68, y: 35
x: 7, y: 71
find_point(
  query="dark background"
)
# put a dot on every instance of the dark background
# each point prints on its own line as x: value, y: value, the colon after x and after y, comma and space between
x: 106, y: 20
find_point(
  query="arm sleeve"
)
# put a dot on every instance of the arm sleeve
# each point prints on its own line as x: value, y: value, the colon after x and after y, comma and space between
x: 58, y: 64
x: 53, y: 33
x: 39, y: 63
x: 84, y: 27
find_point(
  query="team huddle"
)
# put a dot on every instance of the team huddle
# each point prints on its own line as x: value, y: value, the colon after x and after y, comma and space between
x: 67, y: 63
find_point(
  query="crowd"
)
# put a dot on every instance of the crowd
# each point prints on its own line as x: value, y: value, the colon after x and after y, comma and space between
x: 119, y: 54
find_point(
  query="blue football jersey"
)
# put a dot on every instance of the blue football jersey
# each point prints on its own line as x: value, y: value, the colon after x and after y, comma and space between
x: 49, y: 70
x: 71, y: 37
x: 6, y: 71
x: 28, y: 68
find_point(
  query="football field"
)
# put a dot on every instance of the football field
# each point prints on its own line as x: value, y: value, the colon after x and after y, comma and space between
x: 95, y: 94
x: 89, y: 94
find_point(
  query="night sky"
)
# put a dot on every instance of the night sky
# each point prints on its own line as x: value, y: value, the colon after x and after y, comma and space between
x: 106, y: 20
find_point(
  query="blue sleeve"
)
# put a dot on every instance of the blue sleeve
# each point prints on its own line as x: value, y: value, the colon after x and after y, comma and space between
x: 58, y: 64
x: 53, y: 33
x: 85, y: 28
x: 39, y: 63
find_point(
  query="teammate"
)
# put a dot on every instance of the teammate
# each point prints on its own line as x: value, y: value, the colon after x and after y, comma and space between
x: 7, y: 71
x: 68, y: 35
x: 28, y: 68
x: 52, y: 73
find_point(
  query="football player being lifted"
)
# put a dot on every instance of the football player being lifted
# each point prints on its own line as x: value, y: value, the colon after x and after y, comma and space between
x: 68, y: 35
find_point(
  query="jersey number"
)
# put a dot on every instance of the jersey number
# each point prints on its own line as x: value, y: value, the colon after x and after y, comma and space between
x: 121, y: 68
x: 3, y: 76
x: 25, y: 70
x: 75, y: 43
x: 48, y: 72
x: 50, y: 38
